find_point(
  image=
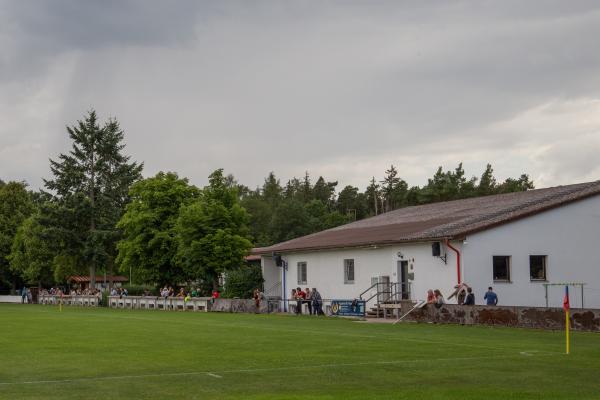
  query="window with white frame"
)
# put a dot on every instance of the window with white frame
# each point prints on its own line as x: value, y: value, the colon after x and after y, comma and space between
x: 349, y: 271
x: 537, y: 268
x: 302, y: 273
x: 501, y: 266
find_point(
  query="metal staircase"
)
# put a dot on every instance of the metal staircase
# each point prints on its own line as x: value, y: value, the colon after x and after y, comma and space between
x: 384, y: 293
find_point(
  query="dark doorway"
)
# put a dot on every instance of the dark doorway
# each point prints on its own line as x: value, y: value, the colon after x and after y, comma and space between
x: 402, y: 275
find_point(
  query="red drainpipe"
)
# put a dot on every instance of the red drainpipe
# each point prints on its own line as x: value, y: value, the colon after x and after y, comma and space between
x: 457, y: 259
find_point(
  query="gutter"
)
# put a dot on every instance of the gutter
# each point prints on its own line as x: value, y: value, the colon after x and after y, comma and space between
x: 457, y: 260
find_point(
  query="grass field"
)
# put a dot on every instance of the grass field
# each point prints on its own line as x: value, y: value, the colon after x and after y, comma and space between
x: 100, y: 353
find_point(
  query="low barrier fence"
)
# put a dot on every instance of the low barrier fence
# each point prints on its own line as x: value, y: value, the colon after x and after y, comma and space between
x: 82, y: 300
x: 515, y: 316
x: 160, y: 303
x: 330, y: 307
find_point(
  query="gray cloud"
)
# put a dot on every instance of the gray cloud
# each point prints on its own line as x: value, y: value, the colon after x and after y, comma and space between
x: 341, y: 89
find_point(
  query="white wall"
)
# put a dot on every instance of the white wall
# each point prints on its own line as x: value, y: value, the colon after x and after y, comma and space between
x: 568, y: 235
x: 325, y: 270
x: 271, y: 275
x: 10, y: 299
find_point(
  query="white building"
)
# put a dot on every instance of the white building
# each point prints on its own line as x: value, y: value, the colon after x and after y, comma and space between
x: 515, y: 242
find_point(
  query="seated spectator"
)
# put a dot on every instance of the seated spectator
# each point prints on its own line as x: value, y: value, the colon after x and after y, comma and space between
x: 430, y: 297
x: 439, y: 298
x: 308, y: 300
x: 181, y: 293
x: 470, y: 300
x: 293, y: 298
x: 194, y: 292
x: 114, y: 292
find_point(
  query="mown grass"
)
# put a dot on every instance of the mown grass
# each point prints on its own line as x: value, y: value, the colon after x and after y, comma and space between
x: 85, y: 353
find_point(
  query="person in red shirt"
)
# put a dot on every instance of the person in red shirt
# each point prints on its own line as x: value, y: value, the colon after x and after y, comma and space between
x: 300, y: 297
x: 215, y: 295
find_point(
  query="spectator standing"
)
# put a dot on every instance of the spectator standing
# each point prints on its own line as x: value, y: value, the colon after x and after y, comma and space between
x: 256, y: 296
x: 23, y: 295
x: 215, y: 295
x: 300, y: 297
x: 460, y: 291
x: 491, y: 298
x: 317, y: 302
x: 470, y: 299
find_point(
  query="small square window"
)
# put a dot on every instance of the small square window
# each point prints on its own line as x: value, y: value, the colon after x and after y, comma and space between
x: 501, y: 266
x: 302, y: 273
x: 537, y: 268
x: 349, y: 271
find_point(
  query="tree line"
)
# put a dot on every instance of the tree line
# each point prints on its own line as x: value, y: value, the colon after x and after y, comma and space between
x: 97, y: 215
x: 282, y: 212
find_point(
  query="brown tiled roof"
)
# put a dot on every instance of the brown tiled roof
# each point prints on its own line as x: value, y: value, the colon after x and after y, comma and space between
x: 444, y: 220
x: 99, y: 278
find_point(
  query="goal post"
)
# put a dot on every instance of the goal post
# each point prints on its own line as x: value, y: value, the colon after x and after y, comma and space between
x: 555, y: 290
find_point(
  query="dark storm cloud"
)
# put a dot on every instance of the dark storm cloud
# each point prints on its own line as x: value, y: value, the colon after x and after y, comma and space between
x: 338, y: 88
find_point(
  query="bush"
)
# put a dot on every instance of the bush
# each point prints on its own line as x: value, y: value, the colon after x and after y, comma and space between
x: 104, y: 301
x: 138, y: 290
x: 242, y: 282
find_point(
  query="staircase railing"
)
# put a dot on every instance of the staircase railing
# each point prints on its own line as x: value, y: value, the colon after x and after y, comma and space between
x: 386, y: 292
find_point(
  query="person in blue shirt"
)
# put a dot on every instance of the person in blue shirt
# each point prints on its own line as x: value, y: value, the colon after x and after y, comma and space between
x: 490, y: 297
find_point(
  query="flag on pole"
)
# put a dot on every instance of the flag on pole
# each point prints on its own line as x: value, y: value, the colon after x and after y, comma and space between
x: 566, y: 307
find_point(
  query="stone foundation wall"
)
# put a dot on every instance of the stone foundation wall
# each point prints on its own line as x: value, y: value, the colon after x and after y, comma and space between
x: 238, y: 306
x: 527, y: 317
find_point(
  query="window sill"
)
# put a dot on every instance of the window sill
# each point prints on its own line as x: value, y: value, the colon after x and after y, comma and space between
x: 349, y: 283
x: 538, y: 280
x: 502, y: 281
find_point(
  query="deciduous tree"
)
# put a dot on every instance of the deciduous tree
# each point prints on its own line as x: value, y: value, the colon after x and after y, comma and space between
x: 149, y: 242
x: 212, y: 232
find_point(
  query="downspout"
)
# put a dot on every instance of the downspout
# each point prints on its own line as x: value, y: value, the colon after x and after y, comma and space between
x: 283, y: 289
x: 457, y: 260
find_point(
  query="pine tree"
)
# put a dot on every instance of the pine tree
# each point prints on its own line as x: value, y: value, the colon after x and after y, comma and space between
x: 373, y: 195
x: 393, y: 189
x: 487, y: 183
x: 95, y: 176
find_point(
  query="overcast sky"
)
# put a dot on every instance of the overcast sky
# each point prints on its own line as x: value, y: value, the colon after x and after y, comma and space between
x: 342, y: 89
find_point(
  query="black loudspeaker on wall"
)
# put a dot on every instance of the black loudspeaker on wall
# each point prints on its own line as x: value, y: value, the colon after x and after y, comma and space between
x: 277, y: 259
x: 436, y: 249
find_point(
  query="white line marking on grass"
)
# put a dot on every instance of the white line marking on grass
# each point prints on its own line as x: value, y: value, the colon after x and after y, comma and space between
x: 250, y: 370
